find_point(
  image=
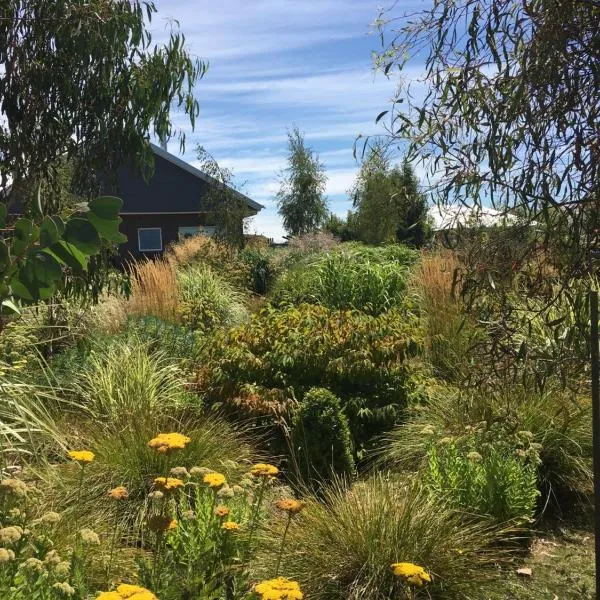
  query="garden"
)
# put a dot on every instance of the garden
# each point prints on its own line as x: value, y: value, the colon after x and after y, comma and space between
x: 316, y: 421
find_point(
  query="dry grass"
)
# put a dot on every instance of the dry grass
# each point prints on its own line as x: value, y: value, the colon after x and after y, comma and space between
x: 154, y: 289
x: 188, y: 249
x: 434, y: 278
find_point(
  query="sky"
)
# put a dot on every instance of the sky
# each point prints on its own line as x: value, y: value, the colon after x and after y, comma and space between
x: 275, y: 64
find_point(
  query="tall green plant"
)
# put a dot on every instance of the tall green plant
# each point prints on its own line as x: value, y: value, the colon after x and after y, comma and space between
x: 301, y: 199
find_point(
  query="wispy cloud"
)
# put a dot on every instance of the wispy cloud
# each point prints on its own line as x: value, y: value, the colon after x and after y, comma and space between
x: 273, y: 64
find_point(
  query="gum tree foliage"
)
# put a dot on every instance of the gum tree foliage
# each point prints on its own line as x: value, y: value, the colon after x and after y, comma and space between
x: 227, y: 206
x: 505, y: 109
x: 301, y: 197
x: 82, y: 84
x: 389, y: 205
x: 499, y: 100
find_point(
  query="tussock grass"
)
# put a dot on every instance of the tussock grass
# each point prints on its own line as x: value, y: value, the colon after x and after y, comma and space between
x: 342, y: 548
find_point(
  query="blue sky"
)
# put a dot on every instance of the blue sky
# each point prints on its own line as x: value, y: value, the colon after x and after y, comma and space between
x: 273, y: 64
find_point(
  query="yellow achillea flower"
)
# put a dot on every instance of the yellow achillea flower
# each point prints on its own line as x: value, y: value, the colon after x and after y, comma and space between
x: 126, y: 591
x: 109, y: 596
x: 168, y: 483
x: 162, y: 523
x: 221, y: 511
x: 290, y: 505
x: 81, y: 456
x: 214, y: 480
x: 118, y: 493
x: 411, y: 573
x: 264, y: 470
x: 230, y: 526
x: 279, y: 589
x: 164, y: 442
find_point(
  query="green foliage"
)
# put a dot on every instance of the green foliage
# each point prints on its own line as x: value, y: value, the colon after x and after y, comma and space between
x: 207, y: 300
x: 320, y: 437
x: 344, y: 548
x: 261, y: 268
x: 554, y: 425
x: 301, y: 199
x: 389, y: 206
x: 364, y: 360
x: 524, y: 124
x: 33, y: 260
x: 371, y: 280
x: 484, y: 478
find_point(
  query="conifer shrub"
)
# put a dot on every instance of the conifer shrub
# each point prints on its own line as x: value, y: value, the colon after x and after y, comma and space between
x: 321, y: 437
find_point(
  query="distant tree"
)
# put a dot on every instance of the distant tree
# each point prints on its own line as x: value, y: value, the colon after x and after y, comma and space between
x: 301, y: 199
x: 227, y: 207
x: 389, y: 205
x: 82, y: 89
x: 343, y: 229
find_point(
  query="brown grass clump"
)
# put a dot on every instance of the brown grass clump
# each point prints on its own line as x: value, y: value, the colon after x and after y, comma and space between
x: 154, y: 289
x: 187, y: 250
x: 435, y: 277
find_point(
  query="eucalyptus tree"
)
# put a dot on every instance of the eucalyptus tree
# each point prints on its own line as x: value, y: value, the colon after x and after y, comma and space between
x: 500, y: 101
x: 301, y: 197
x: 83, y: 84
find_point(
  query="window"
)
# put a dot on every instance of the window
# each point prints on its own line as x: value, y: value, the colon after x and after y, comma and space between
x: 150, y: 239
x: 186, y: 232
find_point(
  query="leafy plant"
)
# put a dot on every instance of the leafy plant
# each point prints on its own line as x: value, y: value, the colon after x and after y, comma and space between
x: 366, y: 361
x: 321, y: 442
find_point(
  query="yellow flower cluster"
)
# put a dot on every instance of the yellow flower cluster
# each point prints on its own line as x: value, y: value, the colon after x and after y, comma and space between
x: 214, y: 480
x: 230, y: 526
x: 279, y: 589
x: 166, y: 484
x: 126, y: 591
x: 165, y: 442
x: 82, y: 456
x: 264, y: 470
x: 411, y: 573
x: 290, y: 505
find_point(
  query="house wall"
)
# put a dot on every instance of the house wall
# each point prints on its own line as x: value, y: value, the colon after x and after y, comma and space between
x: 169, y: 225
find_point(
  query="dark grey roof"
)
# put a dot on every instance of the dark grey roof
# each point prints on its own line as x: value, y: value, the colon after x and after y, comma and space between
x: 175, y: 160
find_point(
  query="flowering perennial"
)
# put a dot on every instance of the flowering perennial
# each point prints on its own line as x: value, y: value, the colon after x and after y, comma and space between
x: 81, y: 456
x: 290, y: 505
x: 411, y: 573
x: 279, y: 589
x: 214, y: 480
x: 264, y: 470
x: 118, y: 493
x: 165, y: 442
x: 230, y: 526
x: 168, y: 483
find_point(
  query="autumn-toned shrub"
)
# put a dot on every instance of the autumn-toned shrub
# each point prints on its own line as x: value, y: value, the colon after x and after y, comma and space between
x: 366, y: 361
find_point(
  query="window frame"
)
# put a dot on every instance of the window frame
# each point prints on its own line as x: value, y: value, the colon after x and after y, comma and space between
x: 150, y: 249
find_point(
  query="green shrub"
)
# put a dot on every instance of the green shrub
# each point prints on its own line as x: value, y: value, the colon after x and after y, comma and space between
x: 208, y: 301
x: 261, y: 269
x: 366, y: 361
x: 342, y: 548
x: 369, y: 279
x: 555, y: 424
x: 496, y: 482
x: 321, y: 437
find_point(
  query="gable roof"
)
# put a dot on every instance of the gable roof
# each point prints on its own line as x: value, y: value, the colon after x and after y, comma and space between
x: 178, y: 162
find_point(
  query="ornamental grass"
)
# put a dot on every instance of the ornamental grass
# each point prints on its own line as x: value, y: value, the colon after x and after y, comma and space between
x: 342, y: 548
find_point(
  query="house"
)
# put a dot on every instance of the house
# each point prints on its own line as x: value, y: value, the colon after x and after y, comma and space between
x: 169, y: 207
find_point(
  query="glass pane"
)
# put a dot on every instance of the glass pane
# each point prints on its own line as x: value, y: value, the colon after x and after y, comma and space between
x: 150, y: 239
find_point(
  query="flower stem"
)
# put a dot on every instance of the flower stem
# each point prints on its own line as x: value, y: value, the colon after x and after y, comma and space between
x: 287, y: 526
x: 254, y: 517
